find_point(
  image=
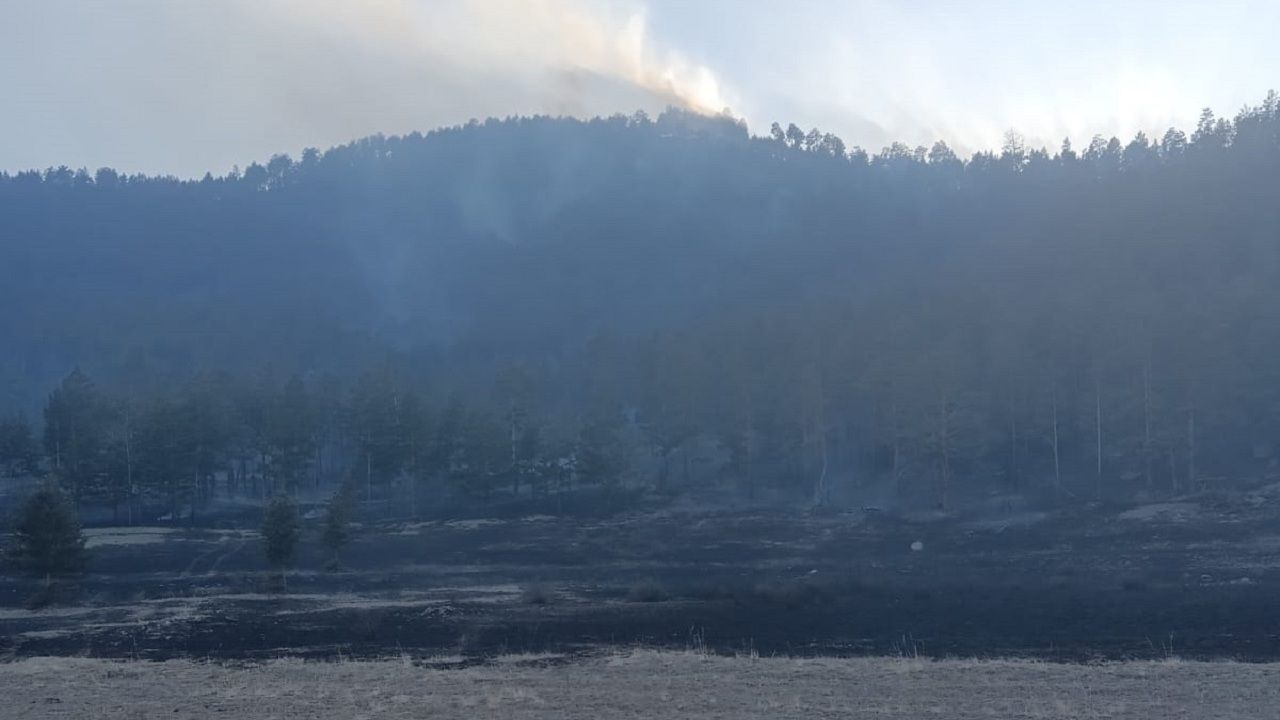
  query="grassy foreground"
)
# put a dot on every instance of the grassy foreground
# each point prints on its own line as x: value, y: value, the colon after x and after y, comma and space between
x: 640, y: 684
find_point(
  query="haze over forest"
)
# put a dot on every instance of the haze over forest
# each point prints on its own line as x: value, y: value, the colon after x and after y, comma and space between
x: 667, y: 303
x: 160, y: 87
x: 640, y: 358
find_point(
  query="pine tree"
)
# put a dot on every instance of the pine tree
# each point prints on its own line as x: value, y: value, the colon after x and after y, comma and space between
x: 337, y: 523
x: 18, y: 450
x: 75, y: 425
x: 280, y: 531
x: 598, y: 454
x: 46, y: 538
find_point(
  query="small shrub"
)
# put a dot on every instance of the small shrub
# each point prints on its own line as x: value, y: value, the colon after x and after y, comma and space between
x: 647, y: 590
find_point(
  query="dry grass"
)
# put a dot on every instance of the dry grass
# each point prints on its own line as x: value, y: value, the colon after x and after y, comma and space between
x: 641, y: 684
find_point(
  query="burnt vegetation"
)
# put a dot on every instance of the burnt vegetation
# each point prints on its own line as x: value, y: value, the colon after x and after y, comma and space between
x: 463, y: 367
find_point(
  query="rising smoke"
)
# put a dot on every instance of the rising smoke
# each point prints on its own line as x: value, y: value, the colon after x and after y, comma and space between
x: 256, y: 77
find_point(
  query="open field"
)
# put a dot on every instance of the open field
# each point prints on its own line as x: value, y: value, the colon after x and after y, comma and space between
x: 1198, y: 579
x: 641, y: 684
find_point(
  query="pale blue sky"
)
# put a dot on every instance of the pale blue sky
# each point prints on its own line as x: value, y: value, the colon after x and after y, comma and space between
x: 184, y: 86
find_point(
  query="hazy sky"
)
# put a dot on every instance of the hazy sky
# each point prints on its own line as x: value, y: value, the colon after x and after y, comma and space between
x: 184, y: 86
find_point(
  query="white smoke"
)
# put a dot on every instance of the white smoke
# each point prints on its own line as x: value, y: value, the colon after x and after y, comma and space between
x: 879, y: 71
x: 183, y: 86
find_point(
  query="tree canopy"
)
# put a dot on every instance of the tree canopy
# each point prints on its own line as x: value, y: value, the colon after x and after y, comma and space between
x: 535, y: 302
x: 46, y: 536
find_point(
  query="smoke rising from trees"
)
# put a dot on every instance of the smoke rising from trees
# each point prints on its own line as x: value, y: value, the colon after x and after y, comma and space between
x: 258, y: 77
x: 531, y: 305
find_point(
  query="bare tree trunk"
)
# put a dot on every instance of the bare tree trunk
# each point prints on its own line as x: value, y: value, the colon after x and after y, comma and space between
x: 75, y: 484
x: 515, y: 455
x: 944, y: 491
x: 897, y: 475
x: 415, y: 472
x: 128, y: 462
x: 820, y: 491
x: 897, y: 448
x: 944, y: 442
x: 1014, y: 475
x: 1097, y: 422
x: 1191, y: 448
x: 1146, y: 421
x: 195, y: 491
x: 1057, y: 466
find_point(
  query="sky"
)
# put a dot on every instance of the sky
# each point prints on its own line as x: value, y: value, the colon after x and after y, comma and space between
x: 187, y: 86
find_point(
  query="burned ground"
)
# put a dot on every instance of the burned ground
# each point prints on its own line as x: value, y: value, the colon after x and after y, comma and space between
x: 1198, y: 578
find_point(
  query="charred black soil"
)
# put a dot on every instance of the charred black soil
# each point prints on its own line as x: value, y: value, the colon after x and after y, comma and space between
x: 1199, y: 579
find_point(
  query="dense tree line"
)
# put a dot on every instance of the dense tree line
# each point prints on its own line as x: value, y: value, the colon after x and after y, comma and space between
x: 512, y: 307
x: 219, y: 437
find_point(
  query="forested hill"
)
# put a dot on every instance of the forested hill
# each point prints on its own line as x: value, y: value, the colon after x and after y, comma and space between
x: 1097, y: 320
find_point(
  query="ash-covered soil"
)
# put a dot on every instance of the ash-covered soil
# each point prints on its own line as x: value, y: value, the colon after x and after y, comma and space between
x: 1196, y: 578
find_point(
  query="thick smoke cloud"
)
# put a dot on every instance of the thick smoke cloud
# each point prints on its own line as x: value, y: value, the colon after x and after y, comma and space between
x: 879, y: 71
x: 184, y: 87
